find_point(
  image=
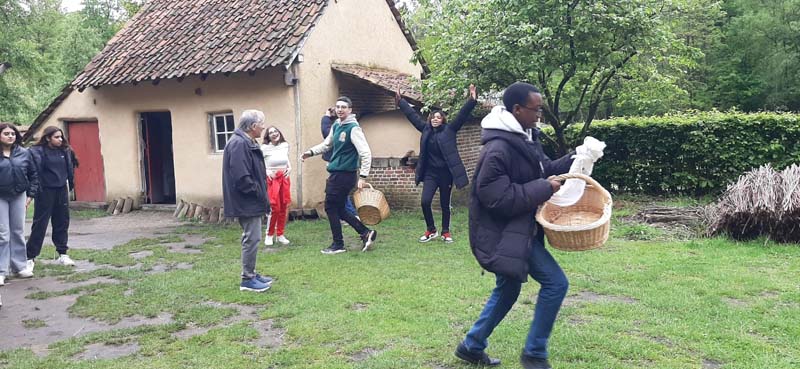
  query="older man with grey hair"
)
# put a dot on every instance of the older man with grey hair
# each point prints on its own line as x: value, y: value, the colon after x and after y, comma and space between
x: 244, y: 188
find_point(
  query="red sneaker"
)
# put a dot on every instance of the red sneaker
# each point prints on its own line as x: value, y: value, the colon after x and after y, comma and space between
x: 428, y: 236
x: 446, y: 237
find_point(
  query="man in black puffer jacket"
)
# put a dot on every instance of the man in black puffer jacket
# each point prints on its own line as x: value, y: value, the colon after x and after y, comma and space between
x: 509, y: 185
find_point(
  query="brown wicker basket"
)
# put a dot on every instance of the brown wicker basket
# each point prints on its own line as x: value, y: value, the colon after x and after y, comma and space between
x: 582, y: 226
x: 371, y: 205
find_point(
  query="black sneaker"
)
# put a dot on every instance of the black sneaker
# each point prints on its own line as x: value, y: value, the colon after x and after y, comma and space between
x: 479, y: 358
x: 334, y: 249
x: 368, y: 239
x: 530, y: 362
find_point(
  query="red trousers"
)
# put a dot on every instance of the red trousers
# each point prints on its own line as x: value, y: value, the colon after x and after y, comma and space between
x: 280, y: 196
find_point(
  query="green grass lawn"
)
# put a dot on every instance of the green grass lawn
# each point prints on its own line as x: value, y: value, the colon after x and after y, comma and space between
x: 654, y: 302
x: 74, y: 213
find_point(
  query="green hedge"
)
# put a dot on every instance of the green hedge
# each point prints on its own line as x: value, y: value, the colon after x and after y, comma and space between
x: 692, y: 154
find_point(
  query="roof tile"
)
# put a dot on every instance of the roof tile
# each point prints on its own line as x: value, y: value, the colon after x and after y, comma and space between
x: 382, y: 78
x: 176, y: 38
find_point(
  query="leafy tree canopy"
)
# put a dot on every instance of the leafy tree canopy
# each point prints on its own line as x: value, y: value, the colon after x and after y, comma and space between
x: 47, y: 47
x: 576, y: 51
x: 602, y: 58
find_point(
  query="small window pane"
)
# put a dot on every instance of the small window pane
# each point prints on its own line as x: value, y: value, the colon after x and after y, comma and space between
x: 223, y: 126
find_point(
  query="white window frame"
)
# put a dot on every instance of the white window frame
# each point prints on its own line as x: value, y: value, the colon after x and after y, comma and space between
x: 212, y: 118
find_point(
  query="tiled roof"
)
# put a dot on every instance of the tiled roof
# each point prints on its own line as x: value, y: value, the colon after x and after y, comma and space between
x: 382, y: 78
x: 177, y: 38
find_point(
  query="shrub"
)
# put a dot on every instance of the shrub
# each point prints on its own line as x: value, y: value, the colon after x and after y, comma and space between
x: 691, y: 153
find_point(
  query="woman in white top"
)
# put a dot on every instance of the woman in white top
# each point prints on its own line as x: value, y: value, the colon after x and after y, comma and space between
x: 276, y: 158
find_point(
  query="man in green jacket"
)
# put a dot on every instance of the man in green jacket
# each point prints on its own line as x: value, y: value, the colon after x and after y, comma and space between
x: 348, y: 145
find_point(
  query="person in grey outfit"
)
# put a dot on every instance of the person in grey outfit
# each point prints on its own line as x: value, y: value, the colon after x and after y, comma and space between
x: 244, y: 189
x: 18, y: 178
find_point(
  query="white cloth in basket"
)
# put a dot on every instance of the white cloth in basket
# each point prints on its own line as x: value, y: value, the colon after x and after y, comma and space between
x: 585, y: 157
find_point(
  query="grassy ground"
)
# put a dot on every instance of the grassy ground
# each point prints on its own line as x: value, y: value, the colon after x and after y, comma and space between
x: 655, y: 302
x: 74, y: 214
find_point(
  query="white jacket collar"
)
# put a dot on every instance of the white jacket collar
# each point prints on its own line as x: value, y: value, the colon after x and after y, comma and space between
x: 502, y: 119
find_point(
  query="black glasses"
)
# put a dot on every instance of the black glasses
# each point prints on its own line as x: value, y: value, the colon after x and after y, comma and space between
x: 538, y: 111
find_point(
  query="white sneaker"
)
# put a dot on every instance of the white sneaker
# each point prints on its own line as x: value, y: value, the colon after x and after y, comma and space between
x: 268, y: 240
x: 282, y: 239
x: 2, y: 280
x: 65, y: 260
x: 28, y: 271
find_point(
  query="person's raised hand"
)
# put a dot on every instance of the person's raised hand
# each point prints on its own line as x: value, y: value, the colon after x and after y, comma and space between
x: 473, y: 92
x: 397, y: 96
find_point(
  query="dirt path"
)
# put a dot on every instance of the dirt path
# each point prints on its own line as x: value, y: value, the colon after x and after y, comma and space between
x: 37, y: 323
x: 107, y: 232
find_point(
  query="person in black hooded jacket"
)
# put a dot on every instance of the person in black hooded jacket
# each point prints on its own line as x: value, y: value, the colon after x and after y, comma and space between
x: 54, y: 163
x: 510, y: 182
x: 439, y: 164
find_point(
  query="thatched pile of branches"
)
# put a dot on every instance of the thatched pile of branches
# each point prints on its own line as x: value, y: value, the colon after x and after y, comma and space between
x: 762, y: 202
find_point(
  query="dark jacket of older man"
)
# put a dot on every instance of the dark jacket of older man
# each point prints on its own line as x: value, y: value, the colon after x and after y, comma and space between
x: 244, y: 182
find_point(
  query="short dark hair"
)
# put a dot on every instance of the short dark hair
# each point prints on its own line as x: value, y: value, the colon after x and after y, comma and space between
x: 517, y: 94
x: 345, y: 99
x: 18, y: 140
x: 441, y: 112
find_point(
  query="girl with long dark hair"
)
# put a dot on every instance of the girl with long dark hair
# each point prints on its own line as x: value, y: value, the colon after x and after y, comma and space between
x: 18, y: 178
x: 439, y: 165
x: 54, y: 163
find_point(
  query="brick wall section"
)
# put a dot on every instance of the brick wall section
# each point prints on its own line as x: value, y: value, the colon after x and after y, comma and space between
x: 397, y: 182
x: 469, y: 148
x: 366, y: 98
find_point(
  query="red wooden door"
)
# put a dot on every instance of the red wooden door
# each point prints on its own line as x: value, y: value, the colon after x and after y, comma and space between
x: 90, y: 185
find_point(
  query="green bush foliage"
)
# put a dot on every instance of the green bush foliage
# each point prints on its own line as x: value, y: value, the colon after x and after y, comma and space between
x: 691, y: 153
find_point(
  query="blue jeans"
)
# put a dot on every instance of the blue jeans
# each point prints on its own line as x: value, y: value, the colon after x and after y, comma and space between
x: 12, y: 234
x: 545, y: 270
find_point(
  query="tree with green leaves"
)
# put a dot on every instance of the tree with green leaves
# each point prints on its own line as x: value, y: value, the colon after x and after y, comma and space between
x: 48, y: 47
x: 574, y: 50
x: 757, y: 66
x: 29, y: 32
